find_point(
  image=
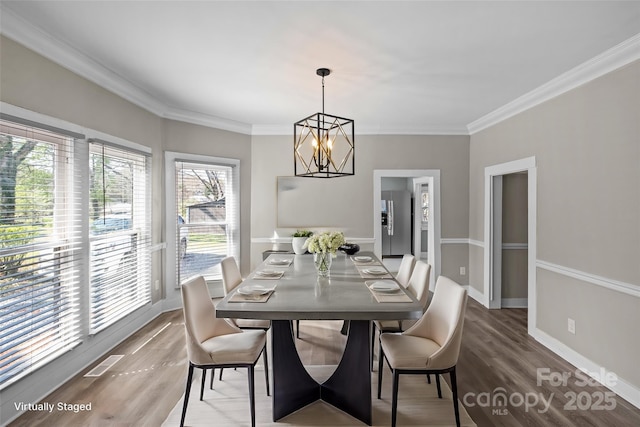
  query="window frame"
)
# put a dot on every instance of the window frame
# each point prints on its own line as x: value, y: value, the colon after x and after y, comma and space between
x: 233, y: 202
x: 64, y: 242
x: 139, y: 232
x: 56, y: 368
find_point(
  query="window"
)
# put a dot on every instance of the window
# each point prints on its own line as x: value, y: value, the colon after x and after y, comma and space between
x: 120, y: 227
x: 205, y: 208
x: 39, y: 241
x: 74, y: 239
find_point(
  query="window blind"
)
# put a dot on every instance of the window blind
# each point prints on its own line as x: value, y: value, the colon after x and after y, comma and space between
x: 120, y: 233
x: 39, y: 242
x: 207, y: 218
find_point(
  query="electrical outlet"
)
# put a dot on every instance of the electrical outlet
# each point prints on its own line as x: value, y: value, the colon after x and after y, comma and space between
x: 571, y: 326
x: 463, y: 271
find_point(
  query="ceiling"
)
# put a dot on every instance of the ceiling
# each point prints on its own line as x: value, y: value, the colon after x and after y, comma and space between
x: 397, y: 67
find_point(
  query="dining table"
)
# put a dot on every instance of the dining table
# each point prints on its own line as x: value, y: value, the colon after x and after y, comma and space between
x: 358, y: 290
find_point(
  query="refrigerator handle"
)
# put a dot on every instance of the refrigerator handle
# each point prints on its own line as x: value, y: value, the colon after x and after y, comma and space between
x: 390, y: 218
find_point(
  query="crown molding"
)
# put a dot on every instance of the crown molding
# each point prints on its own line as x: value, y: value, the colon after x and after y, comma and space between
x: 420, y: 130
x: 367, y: 130
x: 618, y: 56
x: 18, y: 29
x: 32, y: 37
x: 206, y: 120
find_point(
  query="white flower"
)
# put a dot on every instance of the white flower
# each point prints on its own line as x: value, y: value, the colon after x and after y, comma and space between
x: 329, y: 241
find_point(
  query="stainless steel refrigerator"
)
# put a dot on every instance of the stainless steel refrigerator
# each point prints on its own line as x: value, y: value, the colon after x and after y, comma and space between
x: 396, y: 223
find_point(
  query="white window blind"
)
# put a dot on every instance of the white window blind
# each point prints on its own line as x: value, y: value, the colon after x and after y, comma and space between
x: 207, y: 218
x: 39, y: 240
x: 120, y: 233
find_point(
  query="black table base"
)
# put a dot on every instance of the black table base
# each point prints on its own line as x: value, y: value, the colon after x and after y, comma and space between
x: 348, y: 388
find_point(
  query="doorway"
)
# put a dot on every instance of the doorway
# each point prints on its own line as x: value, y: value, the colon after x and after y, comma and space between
x: 493, y: 232
x: 414, y: 181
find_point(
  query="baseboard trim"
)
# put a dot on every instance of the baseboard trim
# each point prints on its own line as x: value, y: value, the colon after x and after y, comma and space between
x: 622, y: 388
x: 514, y: 302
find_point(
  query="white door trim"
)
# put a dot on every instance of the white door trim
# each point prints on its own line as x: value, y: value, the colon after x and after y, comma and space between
x: 529, y: 165
x: 418, y: 250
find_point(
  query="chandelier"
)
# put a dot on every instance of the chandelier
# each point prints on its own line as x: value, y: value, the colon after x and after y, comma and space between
x: 323, y: 144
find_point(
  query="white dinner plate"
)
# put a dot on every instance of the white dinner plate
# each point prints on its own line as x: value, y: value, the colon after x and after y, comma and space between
x: 268, y: 273
x: 384, y: 286
x: 375, y: 271
x: 253, y: 290
x: 279, y: 262
x: 362, y: 258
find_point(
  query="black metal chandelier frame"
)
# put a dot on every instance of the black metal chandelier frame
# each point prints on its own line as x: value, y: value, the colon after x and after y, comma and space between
x: 321, y: 131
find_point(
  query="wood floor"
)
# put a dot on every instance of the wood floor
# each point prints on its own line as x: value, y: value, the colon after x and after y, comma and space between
x: 146, y: 383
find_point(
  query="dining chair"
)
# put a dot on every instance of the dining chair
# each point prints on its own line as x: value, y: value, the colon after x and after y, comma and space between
x: 430, y: 346
x: 418, y: 286
x: 213, y: 342
x: 405, y: 269
x: 231, y: 279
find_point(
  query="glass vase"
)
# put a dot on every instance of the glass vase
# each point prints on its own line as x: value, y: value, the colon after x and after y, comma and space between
x: 322, y: 260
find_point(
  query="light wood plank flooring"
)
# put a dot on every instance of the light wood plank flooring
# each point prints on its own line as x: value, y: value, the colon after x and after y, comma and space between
x: 143, y: 387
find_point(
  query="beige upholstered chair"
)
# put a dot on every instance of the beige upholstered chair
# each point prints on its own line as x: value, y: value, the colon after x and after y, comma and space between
x: 216, y: 343
x: 405, y: 270
x: 418, y: 285
x: 231, y: 278
x: 431, y: 346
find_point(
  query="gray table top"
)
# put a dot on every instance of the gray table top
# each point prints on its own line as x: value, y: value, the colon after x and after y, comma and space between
x: 301, y: 294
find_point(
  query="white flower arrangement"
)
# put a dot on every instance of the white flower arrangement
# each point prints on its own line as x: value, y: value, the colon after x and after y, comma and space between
x: 329, y: 241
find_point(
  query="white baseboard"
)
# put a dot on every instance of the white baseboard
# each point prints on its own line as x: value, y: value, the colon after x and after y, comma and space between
x: 514, y: 302
x: 622, y: 388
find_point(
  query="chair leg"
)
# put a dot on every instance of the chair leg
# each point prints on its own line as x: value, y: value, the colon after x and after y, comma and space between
x: 428, y: 378
x: 220, y: 377
x: 373, y: 340
x: 266, y: 369
x: 394, y: 399
x: 379, y: 344
x: 438, y: 384
x: 204, y: 377
x: 380, y: 370
x: 252, y: 397
x: 454, y: 391
x: 213, y: 375
x: 186, y: 394
x: 298, y: 329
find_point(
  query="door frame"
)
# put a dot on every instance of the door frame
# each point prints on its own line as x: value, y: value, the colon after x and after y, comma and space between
x: 493, y: 232
x: 433, y: 175
x: 417, y: 218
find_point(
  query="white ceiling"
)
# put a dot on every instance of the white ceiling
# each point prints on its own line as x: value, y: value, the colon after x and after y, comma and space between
x: 397, y: 67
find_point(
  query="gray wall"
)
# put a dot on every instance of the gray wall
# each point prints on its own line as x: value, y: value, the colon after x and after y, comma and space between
x: 587, y: 148
x: 193, y: 139
x: 272, y: 157
x: 32, y: 82
x: 29, y: 81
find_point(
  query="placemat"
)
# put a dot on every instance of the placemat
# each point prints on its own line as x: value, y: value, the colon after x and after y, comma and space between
x: 274, y: 277
x: 365, y: 263
x: 366, y: 275
x: 280, y: 262
x: 399, y: 296
x: 236, y: 297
